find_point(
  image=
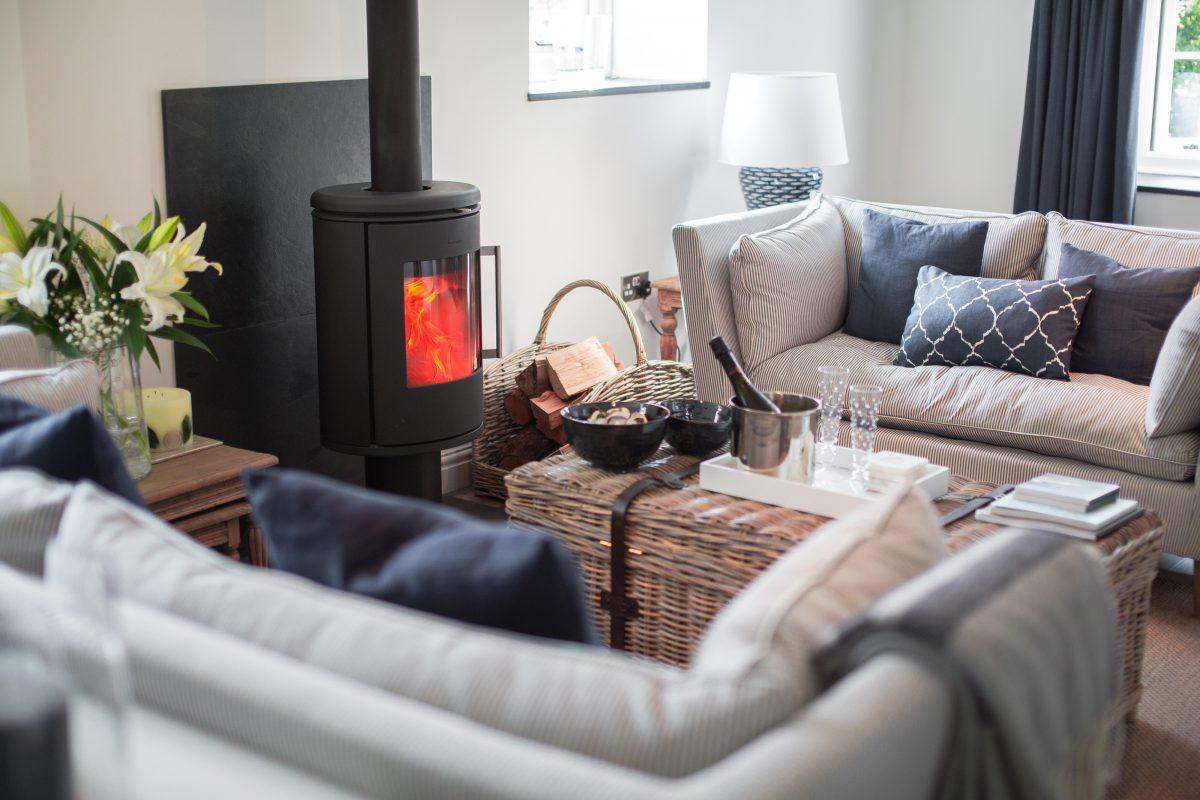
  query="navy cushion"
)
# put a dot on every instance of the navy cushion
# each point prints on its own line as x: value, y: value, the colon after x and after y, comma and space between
x: 419, y: 555
x: 1128, y: 315
x: 70, y: 445
x: 893, y: 251
x: 1019, y: 326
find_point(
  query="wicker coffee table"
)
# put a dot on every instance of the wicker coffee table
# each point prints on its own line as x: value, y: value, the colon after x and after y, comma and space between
x: 689, y: 551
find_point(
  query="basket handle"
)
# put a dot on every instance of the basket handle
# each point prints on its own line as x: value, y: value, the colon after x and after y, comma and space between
x: 638, y: 346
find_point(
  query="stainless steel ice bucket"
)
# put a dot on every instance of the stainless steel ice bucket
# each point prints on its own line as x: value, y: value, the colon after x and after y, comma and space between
x: 785, y: 443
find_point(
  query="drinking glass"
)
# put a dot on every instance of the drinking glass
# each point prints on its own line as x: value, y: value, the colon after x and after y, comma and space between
x: 832, y: 382
x: 864, y: 419
x: 83, y: 577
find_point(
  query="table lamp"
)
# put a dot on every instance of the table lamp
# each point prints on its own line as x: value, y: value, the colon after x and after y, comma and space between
x: 781, y: 128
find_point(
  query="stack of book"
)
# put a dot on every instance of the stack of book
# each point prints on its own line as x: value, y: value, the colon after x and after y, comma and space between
x: 1079, y: 508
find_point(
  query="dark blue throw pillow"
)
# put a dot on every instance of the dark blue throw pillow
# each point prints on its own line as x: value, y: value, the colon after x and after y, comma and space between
x: 70, y: 445
x: 893, y: 251
x: 1128, y: 315
x: 419, y: 555
x: 1019, y: 326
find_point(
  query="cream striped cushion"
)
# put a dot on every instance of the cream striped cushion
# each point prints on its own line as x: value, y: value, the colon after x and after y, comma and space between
x: 18, y: 348
x: 54, y: 388
x: 1013, y: 247
x: 590, y: 700
x: 1174, y: 404
x: 30, y: 511
x: 1133, y: 247
x: 775, y: 274
x: 1093, y: 418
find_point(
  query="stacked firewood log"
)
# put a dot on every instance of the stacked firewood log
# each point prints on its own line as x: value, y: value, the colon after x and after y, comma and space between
x: 548, y: 385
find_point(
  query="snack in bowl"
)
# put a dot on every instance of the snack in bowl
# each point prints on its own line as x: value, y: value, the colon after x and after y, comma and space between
x: 615, y: 435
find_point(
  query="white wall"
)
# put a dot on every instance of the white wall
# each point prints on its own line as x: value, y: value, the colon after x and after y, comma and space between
x: 963, y: 103
x: 932, y: 92
x: 93, y: 72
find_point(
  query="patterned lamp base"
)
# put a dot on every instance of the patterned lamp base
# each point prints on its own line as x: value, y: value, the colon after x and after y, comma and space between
x: 770, y: 186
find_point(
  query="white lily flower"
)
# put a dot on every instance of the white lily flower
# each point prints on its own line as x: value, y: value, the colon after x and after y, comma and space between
x: 128, y: 234
x: 156, y: 282
x: 183, y: 252
x: 24, y: 279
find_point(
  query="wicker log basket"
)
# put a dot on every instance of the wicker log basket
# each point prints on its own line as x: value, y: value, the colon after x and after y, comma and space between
x: 645, y: 380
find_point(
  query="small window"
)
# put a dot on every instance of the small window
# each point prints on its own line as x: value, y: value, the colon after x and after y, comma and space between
x: 1170, y: 113
x: 579, y: 48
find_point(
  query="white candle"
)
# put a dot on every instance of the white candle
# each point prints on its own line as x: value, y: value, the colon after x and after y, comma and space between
x: 168, y: 417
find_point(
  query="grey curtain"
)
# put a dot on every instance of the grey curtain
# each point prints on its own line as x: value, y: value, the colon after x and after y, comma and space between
x: 1079, y: 137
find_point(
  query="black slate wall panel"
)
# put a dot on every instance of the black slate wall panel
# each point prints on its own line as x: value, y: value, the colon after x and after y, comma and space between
x: 245, y: 159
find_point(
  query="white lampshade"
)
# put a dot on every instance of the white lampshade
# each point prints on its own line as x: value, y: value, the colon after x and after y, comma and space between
x: 783, y: 119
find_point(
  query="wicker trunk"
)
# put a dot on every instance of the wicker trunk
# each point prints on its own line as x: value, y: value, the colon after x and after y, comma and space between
x: 645, y: 380
x: 689, y: 551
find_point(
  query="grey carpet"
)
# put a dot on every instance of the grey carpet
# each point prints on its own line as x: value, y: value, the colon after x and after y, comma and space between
x: 1162, y: 759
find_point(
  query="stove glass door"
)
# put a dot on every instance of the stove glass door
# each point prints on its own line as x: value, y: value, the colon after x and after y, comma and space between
x: 441, y: 323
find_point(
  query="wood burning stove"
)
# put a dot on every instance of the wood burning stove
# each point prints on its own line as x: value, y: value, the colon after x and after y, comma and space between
x: 398, y: 264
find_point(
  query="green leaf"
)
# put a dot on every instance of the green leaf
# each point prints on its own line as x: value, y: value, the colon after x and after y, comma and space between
x: 199, y: 323
x: 39, y: 230
x: 162, y: 233
x: 181, y: 337
x: 59, y: 235
x: 123, y: 275
x: 157, y: 215
x: 15, y: 232
x: 153, y: 351
x: 143, y: 243
x: 191, y: 303
x: 92, y: 266
x: 114, y: 242
x: 147, y: 223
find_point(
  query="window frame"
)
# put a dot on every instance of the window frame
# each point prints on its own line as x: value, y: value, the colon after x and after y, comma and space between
x: 564, y: 86
x: 1160, y: 170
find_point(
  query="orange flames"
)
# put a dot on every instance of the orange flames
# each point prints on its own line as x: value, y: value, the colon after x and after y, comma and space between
x: 436, y: 331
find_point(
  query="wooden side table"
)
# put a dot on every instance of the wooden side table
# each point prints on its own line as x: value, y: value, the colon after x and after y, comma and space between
x: 670, y: 301
x: 201, y: 494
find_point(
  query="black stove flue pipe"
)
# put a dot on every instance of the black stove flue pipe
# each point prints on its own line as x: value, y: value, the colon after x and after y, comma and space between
x: 394, y: 94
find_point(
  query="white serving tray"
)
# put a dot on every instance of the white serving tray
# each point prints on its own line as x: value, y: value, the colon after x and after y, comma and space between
x: 832, y: 494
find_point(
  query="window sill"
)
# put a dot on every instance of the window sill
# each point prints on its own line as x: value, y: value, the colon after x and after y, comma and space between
x: 563, y: 89
x: 1158, y: 183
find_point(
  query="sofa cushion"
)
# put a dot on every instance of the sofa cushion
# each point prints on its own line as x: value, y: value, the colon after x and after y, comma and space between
x: 54, y: 388
x: 1132, y: 246
x: 590, y: 700
x: 419, y: 555
x: 1174, y: 403
x: 894, y: 251
x: 1095, y: 419
x: 1128, y: 314
x: 1013, y: 248
x: 773, y: 274
x: 775, y: 626
x: 18, y: 348
x: 1020, y: 326
x: 71, y: 445
x: 30, y: 513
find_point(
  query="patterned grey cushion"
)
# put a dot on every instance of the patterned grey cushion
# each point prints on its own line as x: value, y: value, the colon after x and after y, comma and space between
x: 1020, y: 326
x: 1174, y: 404
x: 773, y: 274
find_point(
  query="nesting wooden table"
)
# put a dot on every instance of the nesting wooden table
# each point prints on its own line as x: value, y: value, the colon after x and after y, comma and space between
x: 201, y: 494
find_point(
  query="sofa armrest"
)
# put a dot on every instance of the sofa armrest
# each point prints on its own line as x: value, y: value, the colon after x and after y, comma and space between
x: 702, y: 254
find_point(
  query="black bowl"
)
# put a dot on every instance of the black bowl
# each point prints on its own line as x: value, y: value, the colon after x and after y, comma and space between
x: 617, y: 447
x: 696, y: 427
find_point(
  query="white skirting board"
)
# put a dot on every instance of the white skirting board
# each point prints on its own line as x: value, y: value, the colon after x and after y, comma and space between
x: 456, y: 468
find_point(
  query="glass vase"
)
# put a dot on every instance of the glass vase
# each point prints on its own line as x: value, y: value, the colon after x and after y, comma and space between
x: 120, y: 407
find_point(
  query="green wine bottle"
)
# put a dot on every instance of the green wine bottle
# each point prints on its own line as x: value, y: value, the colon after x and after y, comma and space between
x: 747, y: 393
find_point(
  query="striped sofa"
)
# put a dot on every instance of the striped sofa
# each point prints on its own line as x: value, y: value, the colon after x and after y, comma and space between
x: 985, y: 423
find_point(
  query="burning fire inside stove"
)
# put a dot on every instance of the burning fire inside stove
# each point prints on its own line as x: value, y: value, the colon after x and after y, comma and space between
x: 439, y: 330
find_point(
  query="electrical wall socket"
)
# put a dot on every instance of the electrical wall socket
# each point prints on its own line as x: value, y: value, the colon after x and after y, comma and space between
x: 635, y: 286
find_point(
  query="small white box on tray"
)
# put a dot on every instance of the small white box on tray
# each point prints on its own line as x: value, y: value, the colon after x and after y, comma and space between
x: 833, y: 493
